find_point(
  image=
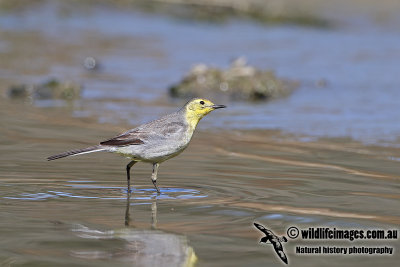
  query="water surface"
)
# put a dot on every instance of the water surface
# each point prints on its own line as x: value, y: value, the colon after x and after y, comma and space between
x: 322, y: 157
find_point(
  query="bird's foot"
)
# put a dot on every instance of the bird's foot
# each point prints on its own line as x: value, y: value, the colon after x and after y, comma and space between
x: 155, y: 185
x: 129, y: 190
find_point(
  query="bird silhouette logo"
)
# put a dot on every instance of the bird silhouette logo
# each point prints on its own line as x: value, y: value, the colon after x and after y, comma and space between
x: 274, y: 240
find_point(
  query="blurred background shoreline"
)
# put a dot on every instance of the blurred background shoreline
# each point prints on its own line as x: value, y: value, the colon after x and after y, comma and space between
x: 280, y: 11
x: 346, y: 72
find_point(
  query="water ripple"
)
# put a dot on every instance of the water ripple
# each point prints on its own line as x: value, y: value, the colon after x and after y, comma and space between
x: 111, y: 192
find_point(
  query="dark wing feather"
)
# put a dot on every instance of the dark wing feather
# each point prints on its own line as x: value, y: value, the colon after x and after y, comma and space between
x: 263, y: 229
x: 125, y: 139
x: 260, y: 227
x: 279, y: 250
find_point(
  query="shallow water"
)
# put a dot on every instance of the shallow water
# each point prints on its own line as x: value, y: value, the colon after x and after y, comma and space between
x: 76, y: 211
x: 237, y: 170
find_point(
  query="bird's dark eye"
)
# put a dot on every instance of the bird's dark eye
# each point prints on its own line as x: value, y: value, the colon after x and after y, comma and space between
x: 202, y: 102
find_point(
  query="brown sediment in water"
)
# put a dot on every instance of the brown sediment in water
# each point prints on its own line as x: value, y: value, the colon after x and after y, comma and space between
x: 318, y: 212
x: 239, y: 177
x: 393, y: 196
x: 227, y: 165
x: 304, y: 164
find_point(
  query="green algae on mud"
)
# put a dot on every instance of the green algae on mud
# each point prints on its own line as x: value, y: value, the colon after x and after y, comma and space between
x: 307, y: 13
x: 240, y: 82
x: 204, y: 10
x: 220, y: 11
x: 50, y: 89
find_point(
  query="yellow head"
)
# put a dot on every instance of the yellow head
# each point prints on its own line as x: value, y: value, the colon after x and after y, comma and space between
x: 197, y: 108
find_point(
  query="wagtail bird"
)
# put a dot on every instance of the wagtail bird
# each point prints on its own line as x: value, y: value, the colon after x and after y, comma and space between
x: 156, y: 141
x: 275, y: 241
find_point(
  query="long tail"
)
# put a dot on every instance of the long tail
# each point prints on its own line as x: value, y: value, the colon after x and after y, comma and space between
x: 77, y: 152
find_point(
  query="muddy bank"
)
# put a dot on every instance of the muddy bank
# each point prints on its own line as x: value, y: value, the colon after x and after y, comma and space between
x: 240, y: 82
x: 49, y: 90
x: 311, y: 13
x: 141, y: 56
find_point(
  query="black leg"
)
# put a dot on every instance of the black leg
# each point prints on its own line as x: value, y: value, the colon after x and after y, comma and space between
x: 155, y: 185
x: 128, y: 175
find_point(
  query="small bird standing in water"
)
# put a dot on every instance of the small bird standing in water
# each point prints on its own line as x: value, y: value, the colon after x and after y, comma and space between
x: 156, y: 141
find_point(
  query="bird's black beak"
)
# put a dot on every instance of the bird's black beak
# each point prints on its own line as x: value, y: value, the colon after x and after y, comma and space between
x: 218, y: 106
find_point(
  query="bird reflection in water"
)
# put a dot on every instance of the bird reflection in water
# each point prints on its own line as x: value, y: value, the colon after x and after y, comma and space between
x: 153, y: 211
